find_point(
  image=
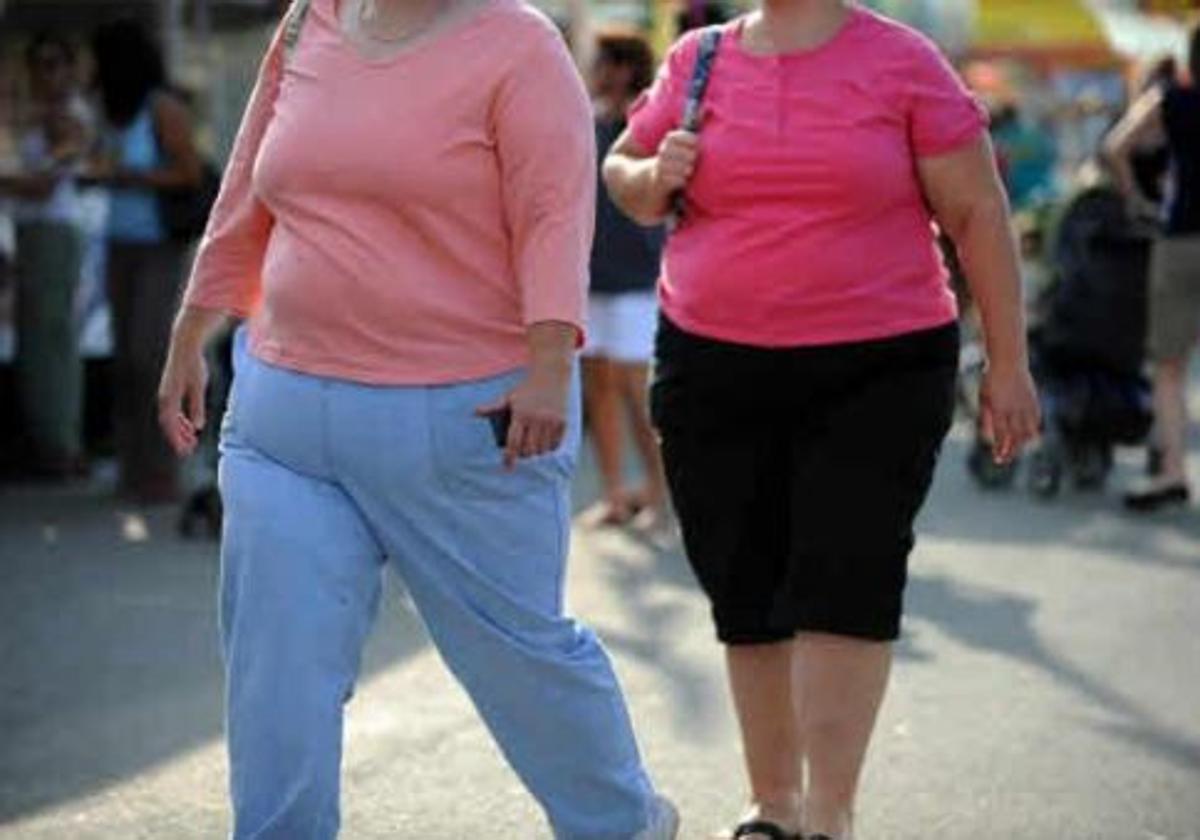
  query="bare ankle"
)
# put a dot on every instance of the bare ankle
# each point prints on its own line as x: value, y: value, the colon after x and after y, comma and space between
x: 784, y: 808
x: 828, y: 819
x: 832, y: 829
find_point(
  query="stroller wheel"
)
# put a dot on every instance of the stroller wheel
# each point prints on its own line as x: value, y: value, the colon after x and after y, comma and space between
x: 1090, y: 466
x: 1154, y: 461
x: 986, y: 471
x: 187, y: 525
x: 1045, y: 474
x: 202, y: 514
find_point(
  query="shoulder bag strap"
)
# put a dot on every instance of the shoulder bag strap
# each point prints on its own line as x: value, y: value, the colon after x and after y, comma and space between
x: 706, y: 53
x: 294, y: 26
x: 693, y: 108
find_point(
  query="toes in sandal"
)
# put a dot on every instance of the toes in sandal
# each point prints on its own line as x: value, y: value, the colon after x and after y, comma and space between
x: 763, y: 828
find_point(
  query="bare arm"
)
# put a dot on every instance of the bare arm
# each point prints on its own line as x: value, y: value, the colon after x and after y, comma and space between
x: 195, y: 325
x: 181, y: 411
x: 538, y: 405
x: 226, y: 272
x: 1142, y: 122
x: 966, y: 196
x: 552, y: 347
x: 38, y: 182
x: 34, y: 187
x: 963, y: 189
x: 181, y: 166
x: 642, y: 183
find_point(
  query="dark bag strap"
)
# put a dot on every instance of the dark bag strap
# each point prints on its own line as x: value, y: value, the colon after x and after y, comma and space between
x: 693, y: 107
x: 706, y: 54
x: 294, y: 26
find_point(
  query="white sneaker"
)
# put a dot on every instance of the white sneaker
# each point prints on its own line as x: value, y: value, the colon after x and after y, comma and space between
x: 664, y: 821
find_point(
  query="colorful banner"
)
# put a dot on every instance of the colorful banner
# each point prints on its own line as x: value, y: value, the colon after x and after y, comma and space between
x: 1059, y: 32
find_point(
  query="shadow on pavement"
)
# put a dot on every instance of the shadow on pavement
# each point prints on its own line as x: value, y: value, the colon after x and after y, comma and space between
x: 109, y: 645
x: 1170, y: 539
x: 1002, y: 623
x: 652, y: 627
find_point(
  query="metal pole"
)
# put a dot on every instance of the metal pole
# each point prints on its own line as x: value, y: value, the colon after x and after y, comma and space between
x: 207, y: 67
x: 203, y: 22
x: 171, y: 29
x: 579, y: 22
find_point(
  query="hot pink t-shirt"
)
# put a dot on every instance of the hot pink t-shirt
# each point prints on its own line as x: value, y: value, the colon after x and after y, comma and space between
x: 806, y: 222
x: 403, y: 221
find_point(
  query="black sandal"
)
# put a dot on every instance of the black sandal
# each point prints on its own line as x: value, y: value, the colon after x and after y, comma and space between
x: 767, y: 829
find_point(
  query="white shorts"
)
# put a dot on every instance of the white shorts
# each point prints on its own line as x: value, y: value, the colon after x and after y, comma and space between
x: 621, y: 326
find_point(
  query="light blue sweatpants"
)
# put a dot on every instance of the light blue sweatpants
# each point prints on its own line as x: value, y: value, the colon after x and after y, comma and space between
x: 324, y: 480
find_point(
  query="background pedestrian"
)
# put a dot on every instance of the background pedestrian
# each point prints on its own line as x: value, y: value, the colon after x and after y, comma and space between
x: 622, y: 306
x: 148, y: 147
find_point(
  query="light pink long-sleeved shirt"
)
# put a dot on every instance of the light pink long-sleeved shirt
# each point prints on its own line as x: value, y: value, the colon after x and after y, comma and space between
x: 403, y: 221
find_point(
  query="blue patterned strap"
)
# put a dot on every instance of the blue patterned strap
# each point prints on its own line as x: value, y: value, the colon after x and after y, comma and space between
x: 294, y: 26
x: 701, y: 74
x: 693, y: 108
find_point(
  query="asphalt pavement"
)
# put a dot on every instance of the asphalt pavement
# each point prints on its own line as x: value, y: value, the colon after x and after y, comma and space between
x: 1047, y: 686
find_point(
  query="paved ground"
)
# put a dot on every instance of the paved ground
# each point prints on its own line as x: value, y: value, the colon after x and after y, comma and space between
x: 1048, y: 686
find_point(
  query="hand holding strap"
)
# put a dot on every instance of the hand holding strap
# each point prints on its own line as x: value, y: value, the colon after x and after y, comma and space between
x: 693, y: 108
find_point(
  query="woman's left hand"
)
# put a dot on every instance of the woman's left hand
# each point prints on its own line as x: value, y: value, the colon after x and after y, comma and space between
x: 1010, y: 414
x: 539, y: 413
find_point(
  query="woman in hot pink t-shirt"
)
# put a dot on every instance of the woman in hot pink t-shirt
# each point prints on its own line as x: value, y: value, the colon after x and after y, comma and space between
x: 807, y: 355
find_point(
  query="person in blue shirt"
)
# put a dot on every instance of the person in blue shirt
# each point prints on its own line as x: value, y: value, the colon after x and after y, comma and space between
x: 148, y: 149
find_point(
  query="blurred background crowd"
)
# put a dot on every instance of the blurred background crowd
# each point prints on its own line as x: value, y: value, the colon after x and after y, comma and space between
x: 90, y: 264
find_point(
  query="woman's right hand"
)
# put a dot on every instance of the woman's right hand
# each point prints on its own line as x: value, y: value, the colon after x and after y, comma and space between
x: 181, y: 395
x: 676, y: 162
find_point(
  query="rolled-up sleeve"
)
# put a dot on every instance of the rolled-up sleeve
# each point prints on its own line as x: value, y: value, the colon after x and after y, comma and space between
x: 227, y: 272
x: 547, y: 154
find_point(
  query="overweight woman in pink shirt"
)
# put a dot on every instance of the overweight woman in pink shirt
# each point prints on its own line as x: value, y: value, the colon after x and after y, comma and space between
x: 806, y: 360
x: 405, y: 223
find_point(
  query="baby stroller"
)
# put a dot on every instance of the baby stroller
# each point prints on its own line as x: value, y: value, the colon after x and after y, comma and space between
x: 1087, y: 348
x: 201, y: 515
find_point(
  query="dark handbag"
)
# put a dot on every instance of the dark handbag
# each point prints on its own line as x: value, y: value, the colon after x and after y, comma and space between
x: 184, y: 211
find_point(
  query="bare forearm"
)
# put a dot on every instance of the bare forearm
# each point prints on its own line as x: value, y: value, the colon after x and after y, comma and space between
x: 1118, y: 154
x: 1142, y: 124
x: 30, y: 187
x: 1123, y: 174
x: 989, y: 256
x: 167, y: 178
x: 194, y: 326
x: 632, y: 187
x: 552, y: 348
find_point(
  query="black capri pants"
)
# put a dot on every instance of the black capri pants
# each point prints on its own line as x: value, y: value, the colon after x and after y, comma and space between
x: 797, y: 474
